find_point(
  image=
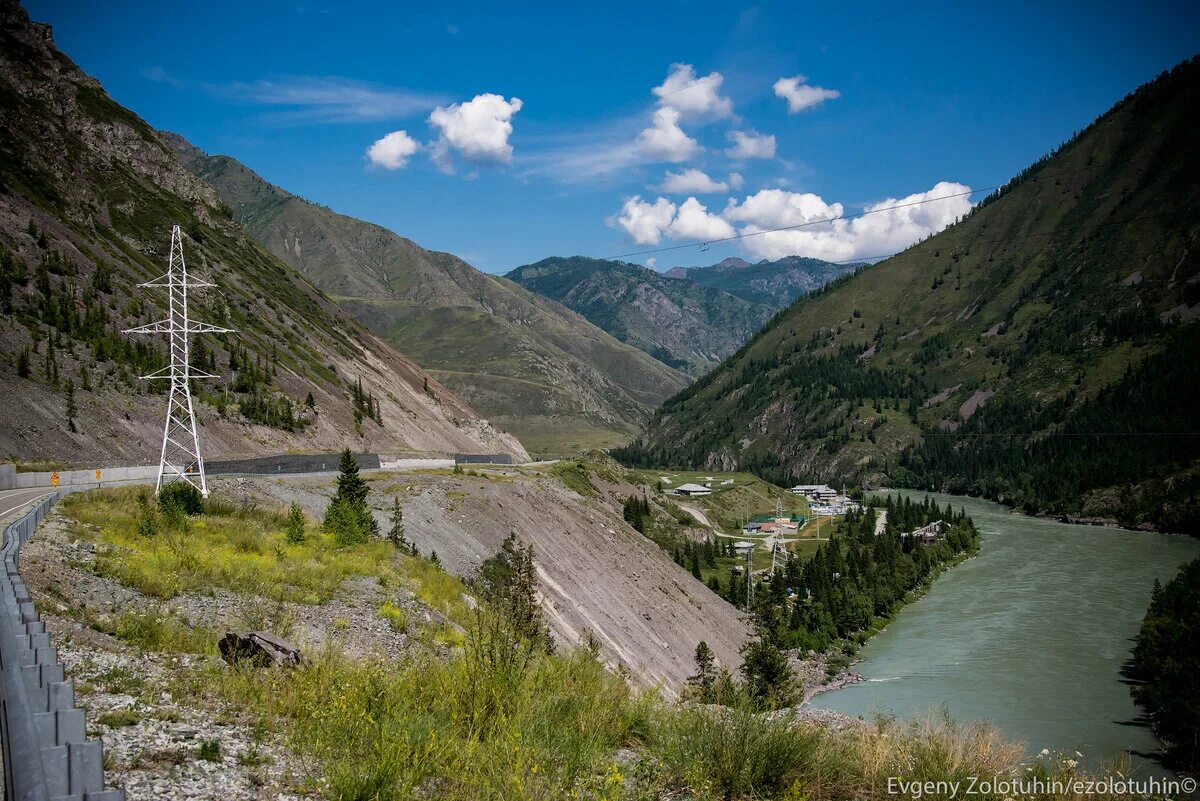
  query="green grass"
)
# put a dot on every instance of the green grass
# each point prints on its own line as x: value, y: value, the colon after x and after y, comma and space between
x: 242, y: 549
x: 119, y: 718
x: 471, y: 726
x: 396, y: 617
x: 576, y: 477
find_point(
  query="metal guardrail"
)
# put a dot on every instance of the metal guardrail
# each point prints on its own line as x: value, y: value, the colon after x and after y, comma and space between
x: 47, y: 756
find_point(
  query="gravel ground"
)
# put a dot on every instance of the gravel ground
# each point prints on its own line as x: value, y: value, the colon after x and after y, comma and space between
x: 152, y: 737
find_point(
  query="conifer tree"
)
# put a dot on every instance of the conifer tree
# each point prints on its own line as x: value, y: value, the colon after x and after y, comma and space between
x: 72, y: 412
x: 294, y: 526
x: 396, y: 532
x: 703, y: 680
x: 348, y: 517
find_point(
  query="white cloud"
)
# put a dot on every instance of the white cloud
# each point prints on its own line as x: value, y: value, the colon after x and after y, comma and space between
x: 736, y: 181
x: 800, y: 96
x: 695, y: 222
x: 890, y: 226
x: 644, y: 222
x: 750, y: 145
x: 477, y: 129
x: 691, y: 181
x: 393, y: 151
x: 693, y: 97
x: 306, y: 99
x: 665, y: 140
x: 650, y: 262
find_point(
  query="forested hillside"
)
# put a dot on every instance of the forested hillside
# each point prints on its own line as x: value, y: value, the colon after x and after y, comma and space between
x: 684, y: 324
x: 530, y: 365
x: 88, y: 195
x: 1041, y: 351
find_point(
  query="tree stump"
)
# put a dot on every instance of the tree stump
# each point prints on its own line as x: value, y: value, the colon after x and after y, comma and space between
x: 258, y: 648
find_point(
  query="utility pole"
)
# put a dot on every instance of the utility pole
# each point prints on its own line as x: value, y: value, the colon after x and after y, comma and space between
x: 750, y: 577
x: 180, y: 457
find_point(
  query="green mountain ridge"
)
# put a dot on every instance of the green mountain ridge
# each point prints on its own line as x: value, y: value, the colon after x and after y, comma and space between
x: 88, y: 195
x: 774, y: 283
x: 681, y: 323
x: 529, y: 364
x: 1042, y: 351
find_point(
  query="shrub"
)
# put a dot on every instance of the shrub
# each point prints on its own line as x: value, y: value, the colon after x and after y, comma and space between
x: 209, y: 751
x: 182, y: 495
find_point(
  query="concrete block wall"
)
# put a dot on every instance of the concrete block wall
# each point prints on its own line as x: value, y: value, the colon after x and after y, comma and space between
x: 68, y: 478
x: 47, y: 756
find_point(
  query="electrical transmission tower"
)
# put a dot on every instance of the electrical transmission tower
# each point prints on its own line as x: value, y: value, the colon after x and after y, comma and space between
x: 180, y: 458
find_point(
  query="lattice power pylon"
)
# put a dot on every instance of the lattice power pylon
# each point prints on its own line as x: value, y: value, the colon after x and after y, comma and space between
x: 180, y: 458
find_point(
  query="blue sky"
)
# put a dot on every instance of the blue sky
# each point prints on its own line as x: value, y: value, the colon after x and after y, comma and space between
x: 534, y: 130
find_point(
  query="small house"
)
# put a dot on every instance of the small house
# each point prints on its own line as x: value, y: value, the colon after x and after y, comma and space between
x: 692, y: 490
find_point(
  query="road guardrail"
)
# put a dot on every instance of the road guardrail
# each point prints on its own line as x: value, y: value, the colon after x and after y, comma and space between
x: 47, y: 756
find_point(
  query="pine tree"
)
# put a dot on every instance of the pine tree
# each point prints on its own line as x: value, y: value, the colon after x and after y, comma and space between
x: 705, y: 677
x: 396, y: 532
x: 309, y: 401
x: 508, y: 581
x: 294, y: 526
x: 23, y: 363
x: 348, y: 517
x: 72, y: 412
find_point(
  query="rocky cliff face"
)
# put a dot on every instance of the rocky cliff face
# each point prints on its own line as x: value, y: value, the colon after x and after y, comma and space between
x: 88, y: 195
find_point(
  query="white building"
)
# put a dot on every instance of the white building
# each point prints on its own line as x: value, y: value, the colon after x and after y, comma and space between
x: 815, y: 492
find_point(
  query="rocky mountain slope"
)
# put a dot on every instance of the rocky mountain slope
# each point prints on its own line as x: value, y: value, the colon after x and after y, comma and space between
x: 88, y: 195
x: 1042, y: 351
x: 598, y: 578
x: 532, y: 366
x: 681, y: 323
x: 774, y: 283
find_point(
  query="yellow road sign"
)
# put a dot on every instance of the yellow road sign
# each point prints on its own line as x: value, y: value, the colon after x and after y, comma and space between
x: 54, y: 479
x: 97, y: 475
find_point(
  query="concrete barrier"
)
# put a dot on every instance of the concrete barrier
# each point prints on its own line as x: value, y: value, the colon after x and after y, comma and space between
x: 415, y: 464
x: 8, y: 476
x: 105, y: 476
x: 483, y: 458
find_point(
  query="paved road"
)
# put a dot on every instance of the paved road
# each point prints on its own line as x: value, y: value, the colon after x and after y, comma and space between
x: 696, y: 513
x: 13, y: 501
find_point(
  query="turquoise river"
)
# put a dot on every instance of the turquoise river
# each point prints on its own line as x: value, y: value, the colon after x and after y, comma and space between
x: 1031, y: 635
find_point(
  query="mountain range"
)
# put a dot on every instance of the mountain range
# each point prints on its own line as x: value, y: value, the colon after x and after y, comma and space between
x: 88, y: 196
x: 688, y: 318
x: 532, y: 366
x: 1041, y: 351
x: 774, y: 283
